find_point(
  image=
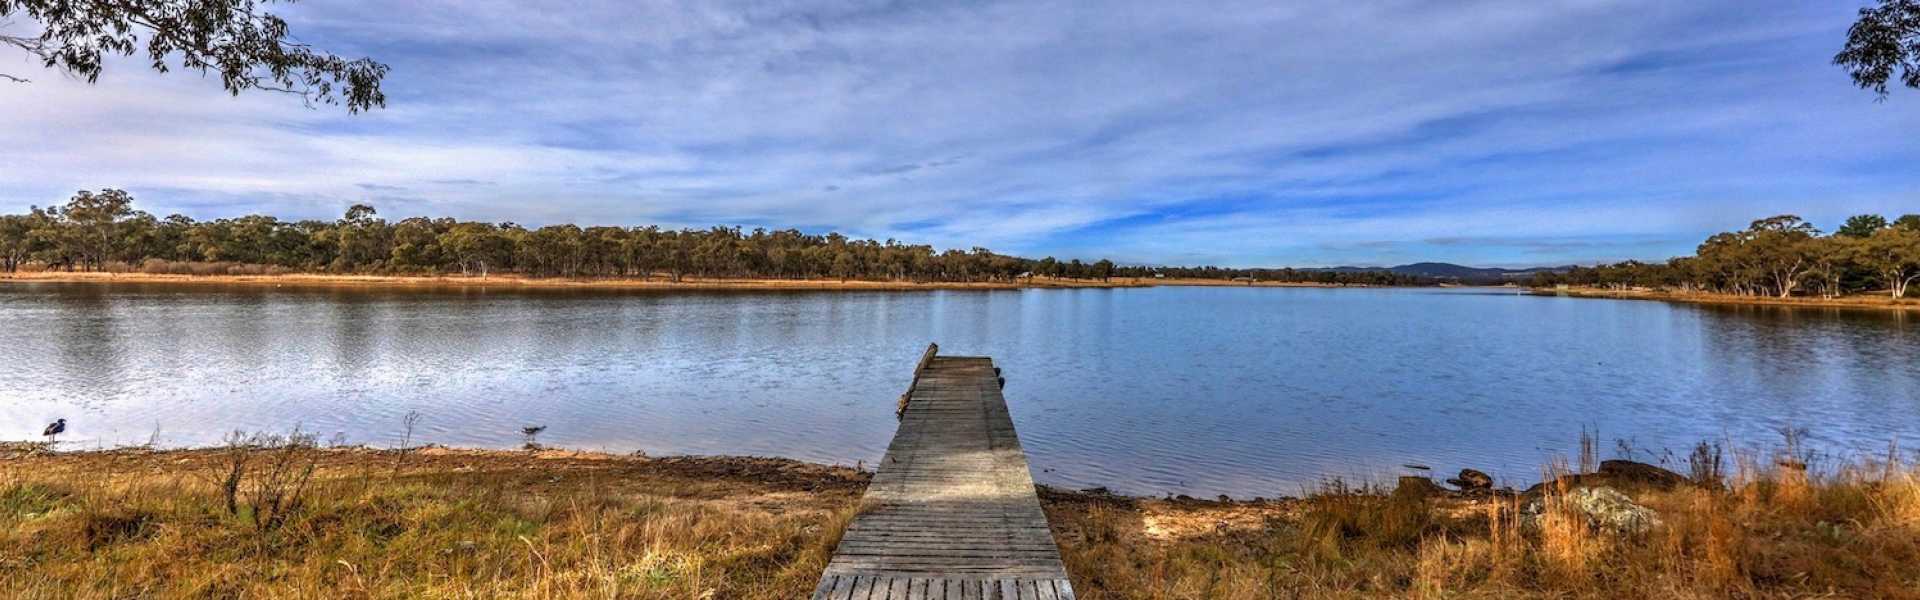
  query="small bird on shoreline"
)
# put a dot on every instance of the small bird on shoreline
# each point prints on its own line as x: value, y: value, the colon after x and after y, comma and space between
x: 54, y: 429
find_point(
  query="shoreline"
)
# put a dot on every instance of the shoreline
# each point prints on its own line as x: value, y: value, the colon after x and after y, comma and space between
x: 579, y: 524
x: 1846, y: 302
x: 513, y: 281
x: 809, y: 474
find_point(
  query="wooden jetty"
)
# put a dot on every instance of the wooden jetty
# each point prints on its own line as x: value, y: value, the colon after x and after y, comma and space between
x: 951, y: 513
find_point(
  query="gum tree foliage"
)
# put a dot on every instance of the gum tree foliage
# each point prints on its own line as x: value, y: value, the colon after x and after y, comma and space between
x: 237, y: 40
x: 1861, y: 226
x: 1884, y: 45
x: 86, y: 232
x: 17, y: 240
x: 1893, y: 255
x: 1778, y: 256
x: 102, y: 230
x: 96, y: 220
x: 1781, y: 247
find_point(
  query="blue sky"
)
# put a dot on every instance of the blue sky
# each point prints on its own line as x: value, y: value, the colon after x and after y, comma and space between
x: 1245, y: 134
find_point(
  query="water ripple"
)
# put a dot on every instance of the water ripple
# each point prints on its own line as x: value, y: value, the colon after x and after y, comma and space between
x: 1249, y: 392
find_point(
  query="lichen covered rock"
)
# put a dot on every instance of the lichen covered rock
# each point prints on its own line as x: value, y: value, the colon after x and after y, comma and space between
x: 1605, y: 509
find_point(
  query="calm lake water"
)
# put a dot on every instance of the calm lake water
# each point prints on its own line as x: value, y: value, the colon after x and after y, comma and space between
x: 1249, y: 392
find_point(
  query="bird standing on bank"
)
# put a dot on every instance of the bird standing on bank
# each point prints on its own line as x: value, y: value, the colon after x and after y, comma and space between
x: 54, y: 429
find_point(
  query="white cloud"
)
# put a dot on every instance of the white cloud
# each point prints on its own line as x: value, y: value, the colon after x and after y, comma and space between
x: 1074, y: 124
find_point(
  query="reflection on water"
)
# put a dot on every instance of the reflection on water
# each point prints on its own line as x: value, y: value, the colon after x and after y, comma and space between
x: 1183, y: 390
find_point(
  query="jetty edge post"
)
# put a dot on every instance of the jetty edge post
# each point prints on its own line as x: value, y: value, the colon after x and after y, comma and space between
x: 926, y: 358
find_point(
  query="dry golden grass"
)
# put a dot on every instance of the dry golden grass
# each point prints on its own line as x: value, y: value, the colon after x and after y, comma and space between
x: 453, y: 525
x: 1858, y: 301
x: 1772, y: 532
x: 470, y: 524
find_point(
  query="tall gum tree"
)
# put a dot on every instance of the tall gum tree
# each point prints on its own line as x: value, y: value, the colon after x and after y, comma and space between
x: 1893, y: 254
x: 95, y: 219
x: 1782, y: 248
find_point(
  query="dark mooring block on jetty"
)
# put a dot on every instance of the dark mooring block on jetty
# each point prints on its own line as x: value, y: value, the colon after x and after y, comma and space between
x: 952, y: 511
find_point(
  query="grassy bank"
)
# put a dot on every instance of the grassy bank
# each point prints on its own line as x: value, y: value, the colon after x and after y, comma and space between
x: 441, y: 523
x: 1880, y: 301
x: 431, y: 523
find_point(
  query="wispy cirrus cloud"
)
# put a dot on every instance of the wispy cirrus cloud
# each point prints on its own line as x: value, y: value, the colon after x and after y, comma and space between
x: 1310, y: 133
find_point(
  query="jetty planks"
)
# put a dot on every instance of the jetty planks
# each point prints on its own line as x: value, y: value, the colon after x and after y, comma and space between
x: 951, y: 513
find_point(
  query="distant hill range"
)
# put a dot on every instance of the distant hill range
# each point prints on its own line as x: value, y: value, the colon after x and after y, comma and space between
x: 1440, y: 270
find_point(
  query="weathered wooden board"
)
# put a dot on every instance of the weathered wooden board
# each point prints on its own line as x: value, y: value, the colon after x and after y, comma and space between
x: 952, y: 512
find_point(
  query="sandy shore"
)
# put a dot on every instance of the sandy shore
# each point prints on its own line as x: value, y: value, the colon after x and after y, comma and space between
x: 1851, y: 302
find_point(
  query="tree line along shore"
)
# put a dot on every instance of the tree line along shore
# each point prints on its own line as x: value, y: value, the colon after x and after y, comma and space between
x: 103, y: 232
x: 1780, y: 258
